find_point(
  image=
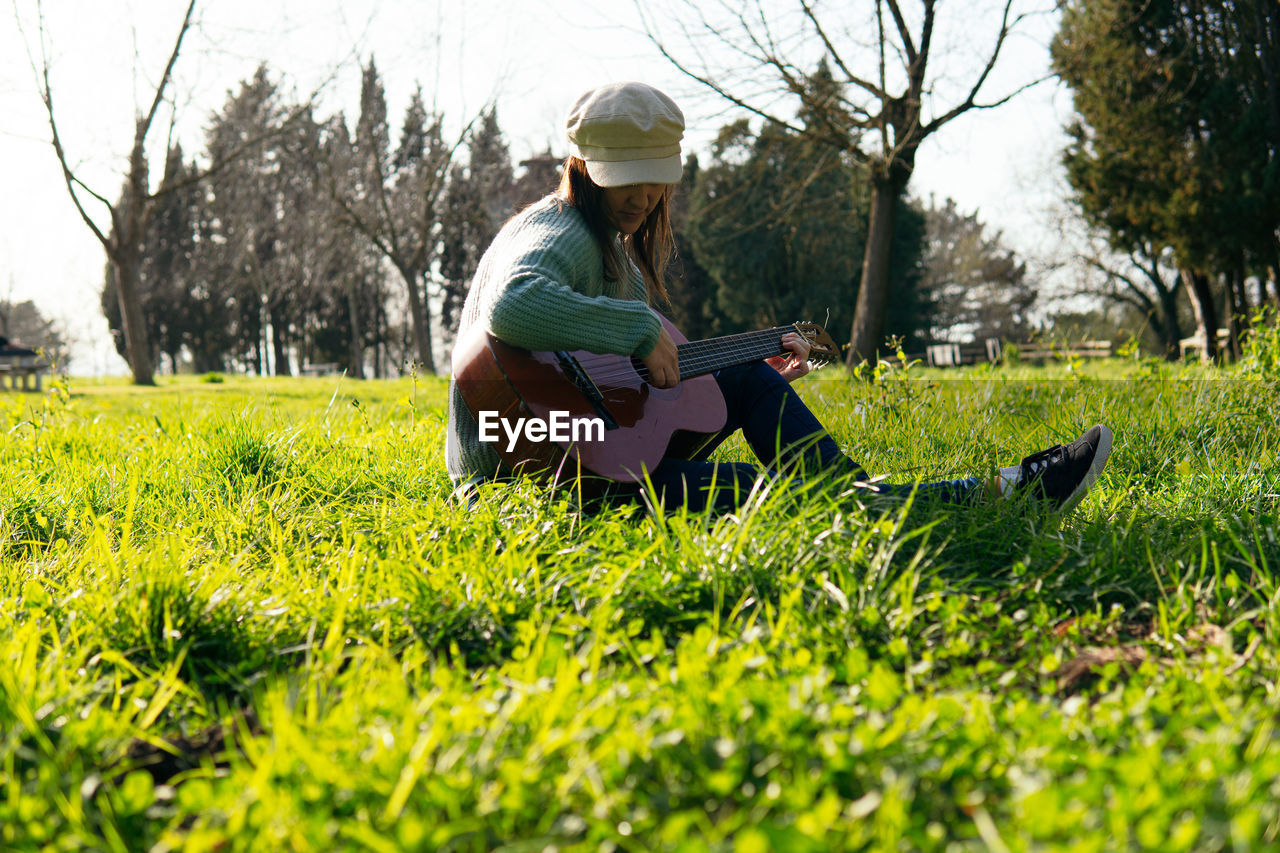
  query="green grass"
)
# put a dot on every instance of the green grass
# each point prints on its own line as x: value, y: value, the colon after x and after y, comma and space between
x: 246, y: 615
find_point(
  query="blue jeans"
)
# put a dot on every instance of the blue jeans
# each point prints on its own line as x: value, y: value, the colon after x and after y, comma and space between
x: 785, y: 437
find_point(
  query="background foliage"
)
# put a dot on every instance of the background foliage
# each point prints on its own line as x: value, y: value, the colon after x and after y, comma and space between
x: 1176, y: 141
x: 329, y: 243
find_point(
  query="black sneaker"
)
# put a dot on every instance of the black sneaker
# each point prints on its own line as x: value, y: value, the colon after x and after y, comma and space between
x: 1063, y: 473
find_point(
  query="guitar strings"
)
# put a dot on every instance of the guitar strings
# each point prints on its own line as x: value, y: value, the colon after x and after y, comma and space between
x: 698, y: 357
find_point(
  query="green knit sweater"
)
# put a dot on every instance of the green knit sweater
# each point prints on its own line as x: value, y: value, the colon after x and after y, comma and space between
x: 541, y: 286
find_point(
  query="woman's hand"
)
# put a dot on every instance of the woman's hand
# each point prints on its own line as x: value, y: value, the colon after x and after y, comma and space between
x: 663, y: 362
x: 797, y: 364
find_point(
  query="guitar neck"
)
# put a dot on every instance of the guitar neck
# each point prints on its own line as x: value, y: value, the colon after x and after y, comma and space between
x: 701, y: 357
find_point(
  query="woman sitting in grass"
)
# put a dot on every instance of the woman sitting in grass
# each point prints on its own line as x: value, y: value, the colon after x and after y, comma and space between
x: 580, y: 270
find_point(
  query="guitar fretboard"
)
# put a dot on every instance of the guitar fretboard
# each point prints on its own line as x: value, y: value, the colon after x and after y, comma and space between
x: 700, y: 357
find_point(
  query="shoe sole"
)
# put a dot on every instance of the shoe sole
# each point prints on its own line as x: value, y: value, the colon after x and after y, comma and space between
x: 1091, y: 476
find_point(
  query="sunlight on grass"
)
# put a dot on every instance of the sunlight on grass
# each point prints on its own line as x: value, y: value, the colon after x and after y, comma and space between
x: 246, y: 614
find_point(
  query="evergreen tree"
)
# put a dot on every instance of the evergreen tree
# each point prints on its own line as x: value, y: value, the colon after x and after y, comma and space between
x: 396, y: 204
x: 540, y: 177
x: 978, y: 286
x: 306, y: 245
x: 349, y: 315
x: 372, y: 139
x: 164, y: 270
x: 489, y: 167
x: 462, y: 221
x: 778, y: 221
x: 245, y: 217
x: 910, y: 310
x: 749, y: 221
x: 272, y: 245
x: 478, y: 199
x: 692, y: 290
x: 210, y: 326
x: 1174, y: 141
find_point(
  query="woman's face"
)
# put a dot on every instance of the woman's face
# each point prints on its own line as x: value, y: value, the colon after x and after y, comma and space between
x: 627, y: 207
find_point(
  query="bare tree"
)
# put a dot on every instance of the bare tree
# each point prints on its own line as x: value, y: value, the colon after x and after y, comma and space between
x: 129, y: 218
x: 395, y: 198
x: 1142, y: 277
x: 1138, y: 280
x: 880, y: 114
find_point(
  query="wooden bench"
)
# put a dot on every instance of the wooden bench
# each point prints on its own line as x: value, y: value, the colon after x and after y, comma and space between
x: 325, y: 369
x: 21, y: 367
x: 1196, y: 344
x: 992, y: 352
x: 954, y: 355
x: 1039, y: 351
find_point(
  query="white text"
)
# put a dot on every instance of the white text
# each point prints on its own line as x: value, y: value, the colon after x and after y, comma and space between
x: 558, y: 426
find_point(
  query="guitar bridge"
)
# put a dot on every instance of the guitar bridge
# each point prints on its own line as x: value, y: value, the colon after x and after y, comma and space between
x: 575, y: 374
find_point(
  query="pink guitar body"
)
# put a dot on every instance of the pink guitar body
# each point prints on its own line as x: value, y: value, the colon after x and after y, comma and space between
x: 515, y: 383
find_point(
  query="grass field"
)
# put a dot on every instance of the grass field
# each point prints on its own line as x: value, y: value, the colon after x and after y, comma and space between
x: 246, y: 615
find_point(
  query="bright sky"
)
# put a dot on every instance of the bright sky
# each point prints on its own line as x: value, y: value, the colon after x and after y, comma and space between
x: 533, y: 56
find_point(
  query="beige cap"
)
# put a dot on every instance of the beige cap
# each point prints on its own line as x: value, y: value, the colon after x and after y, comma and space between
x: 628, y: 133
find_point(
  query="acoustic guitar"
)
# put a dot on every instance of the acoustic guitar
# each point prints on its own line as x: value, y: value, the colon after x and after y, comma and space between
x: 557, y: 415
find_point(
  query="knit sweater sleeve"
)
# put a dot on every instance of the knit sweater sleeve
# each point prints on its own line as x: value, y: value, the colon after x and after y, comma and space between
x: 534, y: 305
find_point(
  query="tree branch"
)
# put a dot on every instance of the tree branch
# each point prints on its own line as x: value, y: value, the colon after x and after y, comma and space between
x: 970, y: 100
x: 652, y: 34
x: 883, y: 120
x: 967, y: 105
x: 871, y: 88
x: 916, y: 70
x: 234, y: 154
x: 68, y: 175
x: 903, y: 32
x: 236, y: 151
x: 144, y: 126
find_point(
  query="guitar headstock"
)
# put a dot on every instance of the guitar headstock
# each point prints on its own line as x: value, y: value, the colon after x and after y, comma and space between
x: 822, y: 349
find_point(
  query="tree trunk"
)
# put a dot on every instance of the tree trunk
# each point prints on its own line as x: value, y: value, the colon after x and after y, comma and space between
x: 1169, y: 320
x: 1239, y: 302
x: 379, y: 333
x: 1267, y: 21
x: 421, y: 323
x: 280, y: 347
x: 1206, y: 312
x: 279, y: 342
x: 130, y: 224
x: 1273, y: 273
x: 873, y: 291
x: 125, y: 264
x: 357, y: 351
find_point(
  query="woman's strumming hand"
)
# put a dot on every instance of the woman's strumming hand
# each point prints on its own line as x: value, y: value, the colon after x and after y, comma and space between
x: 663, y: 363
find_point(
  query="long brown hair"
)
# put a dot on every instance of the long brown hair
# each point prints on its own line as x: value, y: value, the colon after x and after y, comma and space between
x: 650, y: 247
